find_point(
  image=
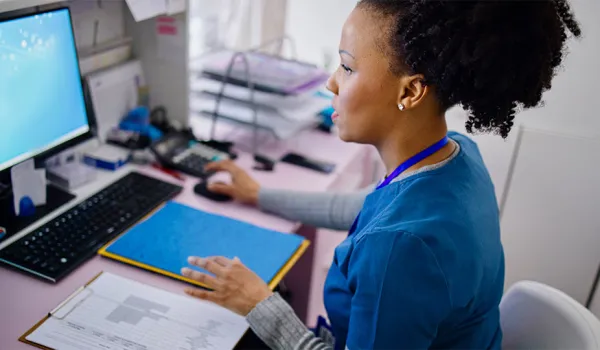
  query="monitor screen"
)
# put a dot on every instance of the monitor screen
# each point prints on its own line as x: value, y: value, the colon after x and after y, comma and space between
x: 41, y: 97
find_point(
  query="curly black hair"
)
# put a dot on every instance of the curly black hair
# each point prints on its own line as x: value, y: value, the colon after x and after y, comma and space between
x: 490, y: 56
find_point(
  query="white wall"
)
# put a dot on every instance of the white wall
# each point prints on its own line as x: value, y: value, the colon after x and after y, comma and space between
x: 550, y: 226
x: 316, y: 27
x: 595, y: 307
x: 234, y: 24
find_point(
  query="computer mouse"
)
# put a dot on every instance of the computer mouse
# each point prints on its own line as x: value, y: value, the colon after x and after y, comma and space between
x: 201, y: 189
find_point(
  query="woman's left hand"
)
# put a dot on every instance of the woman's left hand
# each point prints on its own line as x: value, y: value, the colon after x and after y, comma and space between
x: 235, y: 287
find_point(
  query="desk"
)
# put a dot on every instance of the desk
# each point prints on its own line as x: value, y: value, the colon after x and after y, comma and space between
x: 24, y: 300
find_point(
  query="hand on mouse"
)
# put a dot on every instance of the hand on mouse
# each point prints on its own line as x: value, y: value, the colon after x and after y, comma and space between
x: 242, y: 188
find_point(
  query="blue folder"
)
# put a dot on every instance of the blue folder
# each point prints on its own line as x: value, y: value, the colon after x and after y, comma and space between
x: 164, y: 241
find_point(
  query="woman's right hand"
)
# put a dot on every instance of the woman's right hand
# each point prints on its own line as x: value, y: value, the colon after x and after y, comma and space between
x: 242, y: 188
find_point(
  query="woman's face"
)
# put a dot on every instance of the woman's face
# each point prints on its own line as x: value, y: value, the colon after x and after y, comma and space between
x: 366, y: 100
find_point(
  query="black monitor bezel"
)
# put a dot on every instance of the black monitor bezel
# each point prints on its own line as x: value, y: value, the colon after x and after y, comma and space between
x: 91, y: 133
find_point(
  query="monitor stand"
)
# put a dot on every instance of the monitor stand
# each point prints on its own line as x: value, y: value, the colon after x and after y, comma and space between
x: 55, y: 198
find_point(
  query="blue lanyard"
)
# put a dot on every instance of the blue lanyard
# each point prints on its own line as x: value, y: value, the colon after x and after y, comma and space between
x: 414, y: 160
x: 405, y: 165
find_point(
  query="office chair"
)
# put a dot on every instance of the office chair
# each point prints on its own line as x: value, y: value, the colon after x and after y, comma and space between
x: 536, y: 316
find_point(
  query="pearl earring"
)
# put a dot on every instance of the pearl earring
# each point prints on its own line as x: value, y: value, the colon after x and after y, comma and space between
x: 400, y: 106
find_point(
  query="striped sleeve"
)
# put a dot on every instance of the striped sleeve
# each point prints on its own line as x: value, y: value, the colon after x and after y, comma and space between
x: 275, y: 323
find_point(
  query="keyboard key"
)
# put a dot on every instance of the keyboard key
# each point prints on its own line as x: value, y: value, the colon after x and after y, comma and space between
x: 91, y: 244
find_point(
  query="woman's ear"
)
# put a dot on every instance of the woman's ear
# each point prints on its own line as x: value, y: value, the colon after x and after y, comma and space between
x: 412, y: 91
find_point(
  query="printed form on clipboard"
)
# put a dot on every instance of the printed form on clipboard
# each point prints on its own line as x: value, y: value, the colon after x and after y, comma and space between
x: 115, y: 313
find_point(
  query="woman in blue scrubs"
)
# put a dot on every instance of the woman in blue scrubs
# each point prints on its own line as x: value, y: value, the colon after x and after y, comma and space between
x: 423, y: 265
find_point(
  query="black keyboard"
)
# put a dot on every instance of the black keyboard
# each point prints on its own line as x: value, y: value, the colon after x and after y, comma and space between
x: 56, y: 248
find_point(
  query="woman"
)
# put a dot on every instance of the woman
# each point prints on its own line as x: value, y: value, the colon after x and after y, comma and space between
x: 423, y: 265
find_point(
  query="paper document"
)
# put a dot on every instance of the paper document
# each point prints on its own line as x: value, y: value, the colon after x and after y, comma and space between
x: 28, y: 182
x: 293, y: 103
x: 121, y: 314
x: 175, y: 6
x: 145, y: 9
x: 109, y: 153
x: 114, y: 93
x: 271, y: 72
x: 282, y: 126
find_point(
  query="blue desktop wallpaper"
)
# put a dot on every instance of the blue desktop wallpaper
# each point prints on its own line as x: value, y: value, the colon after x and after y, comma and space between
x: 41, y: 98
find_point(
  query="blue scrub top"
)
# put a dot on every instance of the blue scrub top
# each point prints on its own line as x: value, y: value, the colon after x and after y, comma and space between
x: 425, y: 266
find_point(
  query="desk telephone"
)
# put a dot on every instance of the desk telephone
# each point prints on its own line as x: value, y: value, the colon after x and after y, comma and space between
x: 180, y: 152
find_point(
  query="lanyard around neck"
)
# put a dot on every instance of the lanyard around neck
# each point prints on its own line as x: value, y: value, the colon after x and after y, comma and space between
x: 414, y: 160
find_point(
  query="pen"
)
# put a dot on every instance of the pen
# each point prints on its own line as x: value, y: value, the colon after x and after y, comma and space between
x: 168, y: 172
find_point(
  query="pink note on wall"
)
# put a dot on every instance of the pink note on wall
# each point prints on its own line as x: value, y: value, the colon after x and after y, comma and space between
x: 170, y: 38
x: 167, y: 30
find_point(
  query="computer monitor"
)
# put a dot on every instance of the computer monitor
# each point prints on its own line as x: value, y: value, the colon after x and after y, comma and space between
x: 42, y: 104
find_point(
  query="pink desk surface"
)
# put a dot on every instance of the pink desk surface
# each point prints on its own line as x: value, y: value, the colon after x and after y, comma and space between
x: 25, y: 300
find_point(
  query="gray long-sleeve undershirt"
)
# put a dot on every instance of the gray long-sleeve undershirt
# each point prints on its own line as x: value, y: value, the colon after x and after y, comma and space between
x: 335, y: 211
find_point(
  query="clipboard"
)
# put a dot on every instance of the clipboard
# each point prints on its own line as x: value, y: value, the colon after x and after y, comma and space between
x: 131, y: 297
x: 23, y: 338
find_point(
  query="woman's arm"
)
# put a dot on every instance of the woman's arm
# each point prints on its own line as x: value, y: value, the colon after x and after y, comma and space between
x: 328, y: 210
x: 276, y: 324
x: 335, y: 211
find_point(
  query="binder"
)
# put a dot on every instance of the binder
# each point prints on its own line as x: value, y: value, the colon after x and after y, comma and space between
x: 23, y: 338
x: 164, y: 241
